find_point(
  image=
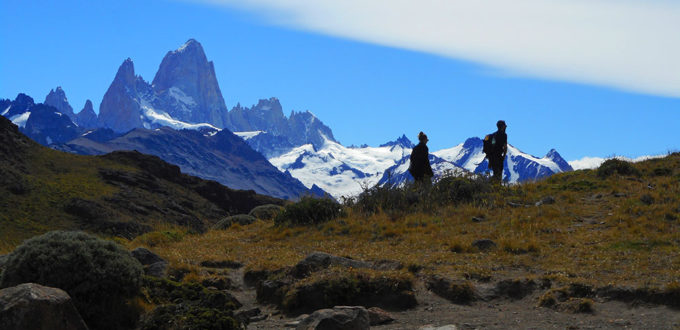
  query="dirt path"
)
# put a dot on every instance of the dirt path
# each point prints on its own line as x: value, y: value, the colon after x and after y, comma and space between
x: 435, y: 311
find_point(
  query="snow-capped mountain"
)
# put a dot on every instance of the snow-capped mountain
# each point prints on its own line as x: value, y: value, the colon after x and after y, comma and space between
x: 518, y: 166
x: 41, y: 122
x: 343, y: 171
x: 339, y: 170
x: 184, y: 94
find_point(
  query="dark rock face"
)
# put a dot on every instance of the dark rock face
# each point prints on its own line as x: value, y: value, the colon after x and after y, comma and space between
x: 20, y: 105
x: 337, y: 318
x: 33, y: 306
x: 57, y: 98
x: 86, y: 118
x: 48, y: 126
x: 187, y: 82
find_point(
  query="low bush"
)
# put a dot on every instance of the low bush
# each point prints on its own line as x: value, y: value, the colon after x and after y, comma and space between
x: 100, y: 276
x: 241, y: 219
x: 266, y: 212
x: 414, y: 197
x: 612, y: 166
x: 309, y: 211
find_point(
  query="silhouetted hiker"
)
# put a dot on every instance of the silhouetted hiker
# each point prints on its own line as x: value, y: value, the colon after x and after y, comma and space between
x: 495, y: 148
x: 420, y: 163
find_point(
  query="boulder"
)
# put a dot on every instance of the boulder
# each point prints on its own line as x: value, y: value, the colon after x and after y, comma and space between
x: 33, y: 306
x: 318, y: 260
x: 153, y: 264
x: 145, y: 256
x: 337, y: 318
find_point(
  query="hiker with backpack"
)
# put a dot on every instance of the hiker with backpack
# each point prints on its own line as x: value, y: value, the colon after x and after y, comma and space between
x: 495, y: 148
x: 420, y: 163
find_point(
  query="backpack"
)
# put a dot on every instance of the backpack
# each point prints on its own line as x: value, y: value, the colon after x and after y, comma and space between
x: 489, y: 141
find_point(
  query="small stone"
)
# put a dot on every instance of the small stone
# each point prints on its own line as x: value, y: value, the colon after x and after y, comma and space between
x: 478, y: 219
x: 378, y: 316
x: 484, y: 244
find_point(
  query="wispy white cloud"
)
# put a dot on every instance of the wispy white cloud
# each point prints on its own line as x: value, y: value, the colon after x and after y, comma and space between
x: 626, y: 44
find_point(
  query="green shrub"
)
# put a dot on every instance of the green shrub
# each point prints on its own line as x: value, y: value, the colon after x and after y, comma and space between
x: 266, y: 212
x: 187, y: 306
x: 611, y: 166
x: 241, y: 219
x: 100, y: 276
x: 309, y: 211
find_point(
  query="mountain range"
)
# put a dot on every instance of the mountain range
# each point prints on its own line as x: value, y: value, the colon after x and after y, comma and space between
x: 182, y: 118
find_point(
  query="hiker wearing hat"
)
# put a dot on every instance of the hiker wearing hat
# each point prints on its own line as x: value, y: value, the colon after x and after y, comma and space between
x: 496, y: 147
x: 420, y: 163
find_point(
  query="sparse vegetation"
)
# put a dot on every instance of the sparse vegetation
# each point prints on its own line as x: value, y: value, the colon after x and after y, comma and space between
x: 241, y: 219
x: 266, y: 212
x: 309, y: 211
x: 86, y: 267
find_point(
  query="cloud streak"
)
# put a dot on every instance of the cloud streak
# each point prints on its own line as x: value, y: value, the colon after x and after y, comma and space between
x: 632, y: 45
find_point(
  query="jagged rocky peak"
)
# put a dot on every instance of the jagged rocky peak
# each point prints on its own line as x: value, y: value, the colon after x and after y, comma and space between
x: 126, y: 72
x: 401, y: 141
x: 23, y: 101
x: 557, y: 158
x: 120, y: 108
x: 86, y: 117
x: 187, y: 83
x: 57, y: 98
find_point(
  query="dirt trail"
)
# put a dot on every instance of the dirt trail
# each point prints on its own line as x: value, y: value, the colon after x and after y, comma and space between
x: 498, y: 314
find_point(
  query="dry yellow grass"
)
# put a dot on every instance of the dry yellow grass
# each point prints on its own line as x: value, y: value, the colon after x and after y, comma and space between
x: 598, y: 231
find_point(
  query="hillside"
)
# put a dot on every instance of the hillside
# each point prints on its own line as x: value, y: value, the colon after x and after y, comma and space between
x: 119, y: 194
x: 577, y: 248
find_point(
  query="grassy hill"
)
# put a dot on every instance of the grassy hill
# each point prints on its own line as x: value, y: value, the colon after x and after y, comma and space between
x: 122, y: 194
x: 618, y: 225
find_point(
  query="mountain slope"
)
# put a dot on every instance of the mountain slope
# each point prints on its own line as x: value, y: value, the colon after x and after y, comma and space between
x: 209, y: 154
x: 122, y: 194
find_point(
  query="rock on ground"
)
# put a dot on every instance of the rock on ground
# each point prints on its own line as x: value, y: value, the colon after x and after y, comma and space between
x: 37, y: 307
x: 337, y: 318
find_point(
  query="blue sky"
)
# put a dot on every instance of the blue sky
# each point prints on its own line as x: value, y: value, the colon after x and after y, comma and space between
x: 577, y: 76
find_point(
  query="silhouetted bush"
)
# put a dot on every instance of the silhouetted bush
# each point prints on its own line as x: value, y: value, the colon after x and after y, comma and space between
x: 421, y: 197
x: 99, y: 275
x: 241, y: 219
x: 309, y: 211
x: 611, y: 166
x: 266, y: 212
x: 454, y: 190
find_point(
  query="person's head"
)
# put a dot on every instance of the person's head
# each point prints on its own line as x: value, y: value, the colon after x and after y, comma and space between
x: 501, y: 125
x: 422, y: 137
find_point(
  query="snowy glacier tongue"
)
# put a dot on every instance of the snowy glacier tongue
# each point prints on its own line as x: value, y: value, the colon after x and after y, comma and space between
x: 339, y: 170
